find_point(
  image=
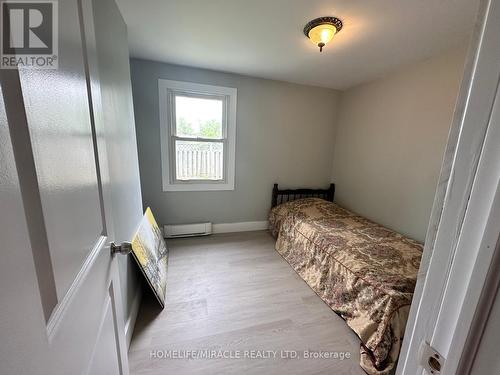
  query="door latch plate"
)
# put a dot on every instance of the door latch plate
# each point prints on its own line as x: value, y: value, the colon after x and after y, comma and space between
x: 431, y: 360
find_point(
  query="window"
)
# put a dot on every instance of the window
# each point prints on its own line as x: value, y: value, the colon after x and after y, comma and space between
x: 198, y: 131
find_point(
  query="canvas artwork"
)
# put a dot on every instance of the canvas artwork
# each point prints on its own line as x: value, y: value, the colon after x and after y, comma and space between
x: 151, y: 254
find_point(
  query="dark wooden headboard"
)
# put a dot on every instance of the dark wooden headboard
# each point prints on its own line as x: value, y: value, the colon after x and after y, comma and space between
x: 288, y: 195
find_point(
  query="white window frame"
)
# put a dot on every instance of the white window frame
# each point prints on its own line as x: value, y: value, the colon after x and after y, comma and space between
x: 167, y: 91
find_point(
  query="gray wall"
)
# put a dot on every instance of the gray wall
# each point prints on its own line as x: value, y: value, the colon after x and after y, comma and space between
x: 284, y: 134
x: 390, y: 139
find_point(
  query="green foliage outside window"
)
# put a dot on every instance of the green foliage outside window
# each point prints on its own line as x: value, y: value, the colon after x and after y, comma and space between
x: 208, y: 129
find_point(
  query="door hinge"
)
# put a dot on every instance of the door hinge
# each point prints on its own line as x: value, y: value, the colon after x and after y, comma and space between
x: 124, y: 249
x: 430, y: 359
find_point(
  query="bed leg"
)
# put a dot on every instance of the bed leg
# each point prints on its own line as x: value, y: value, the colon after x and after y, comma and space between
x: 331, y: 192
x: 274, y: 201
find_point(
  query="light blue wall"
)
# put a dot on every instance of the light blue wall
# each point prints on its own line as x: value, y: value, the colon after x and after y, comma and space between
x: 285, y: 134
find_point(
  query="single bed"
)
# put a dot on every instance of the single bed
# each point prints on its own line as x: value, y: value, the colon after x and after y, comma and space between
x: 366, y: 273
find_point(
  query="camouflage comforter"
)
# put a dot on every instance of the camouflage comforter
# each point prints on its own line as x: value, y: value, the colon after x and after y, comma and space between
x: 363, y: 271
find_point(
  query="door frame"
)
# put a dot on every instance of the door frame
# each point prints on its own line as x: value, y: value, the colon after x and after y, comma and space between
x: 463, y: 228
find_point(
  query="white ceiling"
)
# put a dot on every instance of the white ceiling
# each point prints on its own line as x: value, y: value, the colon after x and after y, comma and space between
x: 263, y: 38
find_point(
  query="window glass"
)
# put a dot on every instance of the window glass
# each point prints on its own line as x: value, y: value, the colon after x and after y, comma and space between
x: 199, y: 160
x: 198, y: 117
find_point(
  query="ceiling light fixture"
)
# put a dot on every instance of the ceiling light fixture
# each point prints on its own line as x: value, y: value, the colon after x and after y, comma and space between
x: 321, y: 30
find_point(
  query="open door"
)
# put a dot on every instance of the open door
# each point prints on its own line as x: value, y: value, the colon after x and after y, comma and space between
x: 65, y: 136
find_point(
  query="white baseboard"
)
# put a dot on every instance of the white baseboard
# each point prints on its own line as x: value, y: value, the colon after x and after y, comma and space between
x: 134, y: 310
x: 245, y: 226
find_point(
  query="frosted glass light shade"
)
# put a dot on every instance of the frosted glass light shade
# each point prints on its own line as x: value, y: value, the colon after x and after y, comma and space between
x: 322, y: 34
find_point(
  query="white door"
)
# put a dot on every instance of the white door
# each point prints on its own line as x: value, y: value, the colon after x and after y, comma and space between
x: 60, y: 295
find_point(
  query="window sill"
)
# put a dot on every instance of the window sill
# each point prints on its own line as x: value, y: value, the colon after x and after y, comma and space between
x: 198, y: 187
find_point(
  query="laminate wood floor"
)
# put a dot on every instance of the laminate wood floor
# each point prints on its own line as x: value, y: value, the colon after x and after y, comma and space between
x: 232, y: 294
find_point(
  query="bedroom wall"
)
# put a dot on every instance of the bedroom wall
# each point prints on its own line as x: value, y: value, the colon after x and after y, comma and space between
x: 284, y: 134
x: 390, y: 138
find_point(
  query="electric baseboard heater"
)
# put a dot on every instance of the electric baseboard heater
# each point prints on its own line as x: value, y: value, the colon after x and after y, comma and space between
x: 187, y: 230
